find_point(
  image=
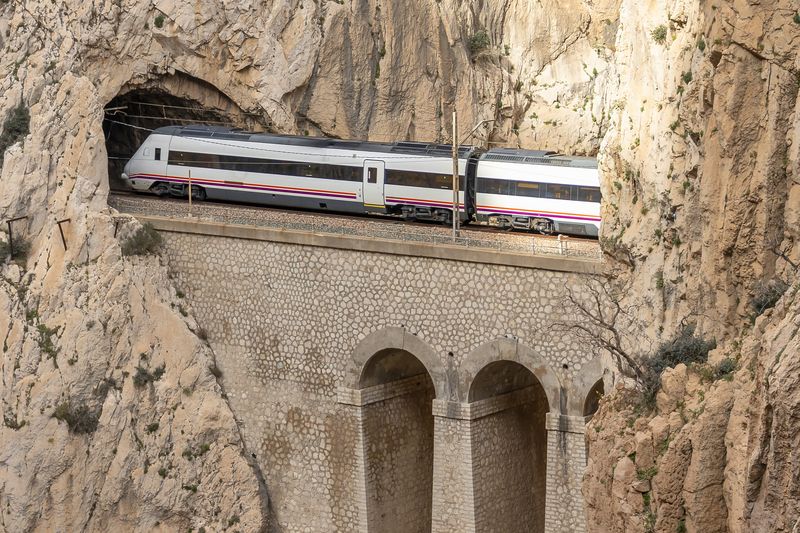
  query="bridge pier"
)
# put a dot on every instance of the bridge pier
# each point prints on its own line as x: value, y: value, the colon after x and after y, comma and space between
x: 566, y: 462
x: 479, y: 478
x: 394, y: 454
x: 488, y: 465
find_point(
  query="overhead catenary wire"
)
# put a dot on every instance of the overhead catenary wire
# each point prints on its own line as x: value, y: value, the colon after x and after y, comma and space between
x: 257, y: 149
x: 201, y: 121
x: 190, y: 108
x: 540, y: 173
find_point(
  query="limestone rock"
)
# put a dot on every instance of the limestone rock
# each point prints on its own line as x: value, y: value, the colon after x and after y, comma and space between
x: 673, y: 388
x: 692, y: 106
x: 722, y: 458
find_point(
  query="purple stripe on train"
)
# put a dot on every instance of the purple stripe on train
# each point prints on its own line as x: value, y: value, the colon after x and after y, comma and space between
x: 536, y: 214
x: 263, y: 188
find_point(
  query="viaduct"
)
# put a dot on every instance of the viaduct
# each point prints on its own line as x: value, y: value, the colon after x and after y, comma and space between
x: 392, y: 387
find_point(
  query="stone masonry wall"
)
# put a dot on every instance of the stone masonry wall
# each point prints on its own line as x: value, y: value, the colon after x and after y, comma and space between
x: 566, y: 450
x: 398, y: 432
x: 508, y: 458
x: 284, y: 321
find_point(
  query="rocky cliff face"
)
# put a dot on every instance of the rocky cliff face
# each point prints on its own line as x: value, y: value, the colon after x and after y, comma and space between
x: 718, y: 454
x: 700, y: 174
x: 113, y: 417
x: 692, y: 103
x: 700, y: 162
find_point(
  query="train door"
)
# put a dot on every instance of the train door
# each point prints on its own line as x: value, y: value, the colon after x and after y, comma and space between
x: 373, y: 185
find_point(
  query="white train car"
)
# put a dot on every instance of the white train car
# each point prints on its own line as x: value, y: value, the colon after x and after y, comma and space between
x: 532, y: 190
x: 538, y: 190
x: 413, y: 179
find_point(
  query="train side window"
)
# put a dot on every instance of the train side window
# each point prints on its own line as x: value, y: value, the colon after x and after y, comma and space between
x: 526, y: 188
x: 493, y: 186
x: 588, y: 194
x: 175, y: 158
x: 557, y: 192
x: 158, y: 154
x: 372, y: 175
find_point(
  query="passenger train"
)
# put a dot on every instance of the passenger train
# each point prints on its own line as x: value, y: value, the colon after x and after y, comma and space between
x: 522, y: 189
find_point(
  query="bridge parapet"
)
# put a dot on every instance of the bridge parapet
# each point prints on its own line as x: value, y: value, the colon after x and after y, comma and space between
x: 471, y: 237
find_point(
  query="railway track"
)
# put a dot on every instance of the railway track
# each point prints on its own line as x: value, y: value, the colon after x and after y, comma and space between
x: 177, y: 205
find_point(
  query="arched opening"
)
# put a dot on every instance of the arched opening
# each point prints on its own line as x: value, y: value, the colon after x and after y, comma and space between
x: 178, y: 99
x: 509, y: 453
x: 397, y: 425
x: 592, y: 402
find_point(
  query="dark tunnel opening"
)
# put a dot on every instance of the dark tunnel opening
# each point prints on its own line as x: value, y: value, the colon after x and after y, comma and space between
x: 133, y: 114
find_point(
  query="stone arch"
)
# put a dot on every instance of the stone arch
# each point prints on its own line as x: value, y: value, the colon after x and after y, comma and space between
x: 593, y: 376
x: 510, y: 349
x: 510, y: 434
x: 394, y: 373
x: 394, y: 338
x: 592, y: 401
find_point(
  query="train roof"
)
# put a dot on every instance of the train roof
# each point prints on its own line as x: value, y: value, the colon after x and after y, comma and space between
x: 541, y: 157
x: 506, y: 155
x: 401, y: 147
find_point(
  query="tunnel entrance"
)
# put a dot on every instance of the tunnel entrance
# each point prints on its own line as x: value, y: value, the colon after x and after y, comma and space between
x: 398, y: 443
x: 509, y: 450
x: 178, y: 99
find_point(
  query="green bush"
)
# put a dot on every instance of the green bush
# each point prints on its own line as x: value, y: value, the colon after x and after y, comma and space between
x: 646, y: 474
x: 478, y: 42
x: 725, y: 369
x: 144, y: 376
x: 701, y: 44
x: 145, y: 240
x: 659, y: 34
x: 767, y: 295
x: 686, y: 348
x: 80, y: 420
x: 15, y: 127
x: 20, y: 251
x: 159, y: 21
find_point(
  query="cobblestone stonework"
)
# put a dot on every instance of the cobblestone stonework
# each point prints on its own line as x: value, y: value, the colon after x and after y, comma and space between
x: 293, y: 327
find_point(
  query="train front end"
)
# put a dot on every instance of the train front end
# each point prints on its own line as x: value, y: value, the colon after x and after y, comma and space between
x: 149, y: 164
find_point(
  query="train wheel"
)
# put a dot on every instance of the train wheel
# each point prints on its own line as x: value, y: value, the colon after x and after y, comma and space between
x: 543, y: 225
x: 160, y: 188
x: 198, y: 193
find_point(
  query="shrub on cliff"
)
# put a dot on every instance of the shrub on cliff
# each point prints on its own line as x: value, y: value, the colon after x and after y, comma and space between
x: 766, y: 295
x: 146, y: 240
x: 478, y: 42
x: 15, y: 127
x: 659, y: 34
x: 19, y: 252
x: 79, y: 419
x: 687, y: 347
